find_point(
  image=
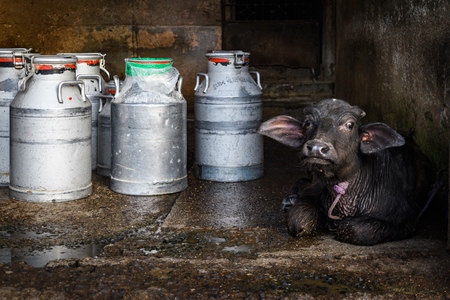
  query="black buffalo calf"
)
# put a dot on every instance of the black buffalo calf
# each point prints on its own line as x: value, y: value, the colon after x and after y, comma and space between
x: 368, y: 183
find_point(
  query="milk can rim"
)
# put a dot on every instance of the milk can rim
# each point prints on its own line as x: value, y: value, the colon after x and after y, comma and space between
x: 56, y: 59
x: 232, y: 53
x: 8, y: 52
x: 84, y: 55
x: 150, y: 62
x: 147, y: 66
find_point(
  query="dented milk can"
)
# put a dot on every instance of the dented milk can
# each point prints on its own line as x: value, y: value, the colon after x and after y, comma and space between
x: 89, y: 67
x: 228, y: 111
x: 104, y: 128
x: 12, y: 68
x: 148, y: 130
x: 51, y: 133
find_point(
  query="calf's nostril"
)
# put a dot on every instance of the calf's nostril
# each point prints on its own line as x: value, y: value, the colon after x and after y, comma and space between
x: 324, y: 149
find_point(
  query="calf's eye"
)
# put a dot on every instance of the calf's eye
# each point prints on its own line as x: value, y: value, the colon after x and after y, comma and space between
x: 350, y: 125
x: 307, y: 123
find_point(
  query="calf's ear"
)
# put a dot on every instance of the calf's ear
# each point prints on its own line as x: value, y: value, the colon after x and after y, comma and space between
x: 283, y: 129
x: 379, y: 136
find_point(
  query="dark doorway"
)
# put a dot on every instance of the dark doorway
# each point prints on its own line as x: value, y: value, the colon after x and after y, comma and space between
x: 276, y: 32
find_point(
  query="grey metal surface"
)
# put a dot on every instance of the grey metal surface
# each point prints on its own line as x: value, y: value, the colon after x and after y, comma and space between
x: 51, y: 135
x: 104, y: 139
x: 104, y: 127
x: 10, y: 73
x: 148, y: 145
x: 228, y: 110
x: 89, y: 68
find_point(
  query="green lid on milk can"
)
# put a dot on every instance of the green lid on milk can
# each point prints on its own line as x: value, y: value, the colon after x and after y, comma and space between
x: 147, y: 66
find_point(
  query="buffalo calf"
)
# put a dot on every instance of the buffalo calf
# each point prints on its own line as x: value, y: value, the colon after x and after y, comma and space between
x: 367, y: 182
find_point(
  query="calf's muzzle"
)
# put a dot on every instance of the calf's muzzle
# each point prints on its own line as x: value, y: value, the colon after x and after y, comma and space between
x: 318, y: 149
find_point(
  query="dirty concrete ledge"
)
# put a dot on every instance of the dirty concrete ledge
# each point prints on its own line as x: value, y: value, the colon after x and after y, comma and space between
x: 213, y: 240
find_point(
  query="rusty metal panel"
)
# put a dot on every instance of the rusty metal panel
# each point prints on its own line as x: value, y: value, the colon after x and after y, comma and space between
x: 287, y: 43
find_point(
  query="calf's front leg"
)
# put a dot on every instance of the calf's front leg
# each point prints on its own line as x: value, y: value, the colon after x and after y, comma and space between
x: 305, y: 216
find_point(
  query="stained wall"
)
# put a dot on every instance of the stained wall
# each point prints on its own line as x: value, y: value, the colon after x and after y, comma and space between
x: 392, y: 56
x: 182, y: 30
x: 393, y: 59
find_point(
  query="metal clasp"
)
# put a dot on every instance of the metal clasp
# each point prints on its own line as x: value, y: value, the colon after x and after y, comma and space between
x: 102, y: 66
x: 19, y: 63
x: 239, y: 59
x: 29, y: 72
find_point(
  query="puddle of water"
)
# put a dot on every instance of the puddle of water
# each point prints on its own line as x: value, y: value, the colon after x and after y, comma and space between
x: 238, y: 249
x: 39, y: 259
x: 217, y: 240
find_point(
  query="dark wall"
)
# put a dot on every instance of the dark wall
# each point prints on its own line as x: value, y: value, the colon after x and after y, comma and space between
x: 393, y: 59
x: 182, y: 30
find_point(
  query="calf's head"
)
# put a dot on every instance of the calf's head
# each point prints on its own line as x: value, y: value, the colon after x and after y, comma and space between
x: 331, y: 137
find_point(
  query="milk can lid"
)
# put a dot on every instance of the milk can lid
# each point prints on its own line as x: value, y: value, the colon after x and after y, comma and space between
x: 147, y: 66
x: 85, y: 55
x: 54, y: 59
x: 222, y: 53
x: 8, y: 52
x: 236, y: 57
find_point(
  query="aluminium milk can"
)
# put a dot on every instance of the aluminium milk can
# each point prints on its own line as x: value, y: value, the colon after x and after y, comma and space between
x: 104, y: 128
x: 228, y: 112
x: 12, y: 68
x: 51, y: 134
x: 89, y: 67
x: 148, y: 130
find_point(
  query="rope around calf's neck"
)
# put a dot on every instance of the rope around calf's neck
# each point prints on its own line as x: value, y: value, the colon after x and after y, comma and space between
x: 339, y: 188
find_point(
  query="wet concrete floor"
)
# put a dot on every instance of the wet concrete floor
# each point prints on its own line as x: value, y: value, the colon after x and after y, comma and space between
x: 213, y: 240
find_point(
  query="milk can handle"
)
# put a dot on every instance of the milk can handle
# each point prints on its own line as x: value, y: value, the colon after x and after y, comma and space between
x: 97, y: 77
x: 179, y: 83
x: 117, y: 83
x: 80, y: 83
x: 106, y: 97
x: 198, y: 82
x: 99, y: 80
x: 258, y: 78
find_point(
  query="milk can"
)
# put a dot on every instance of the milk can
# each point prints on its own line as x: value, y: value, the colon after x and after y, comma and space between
x: 51, y: 134
x: 89, y: 67
x: 228, y: 111
x: 148, y: 130
x: 12, y: 68
x: 104, y: 128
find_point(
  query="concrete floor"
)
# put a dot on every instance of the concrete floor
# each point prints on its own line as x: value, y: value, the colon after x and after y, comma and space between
x: 213, y: 240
